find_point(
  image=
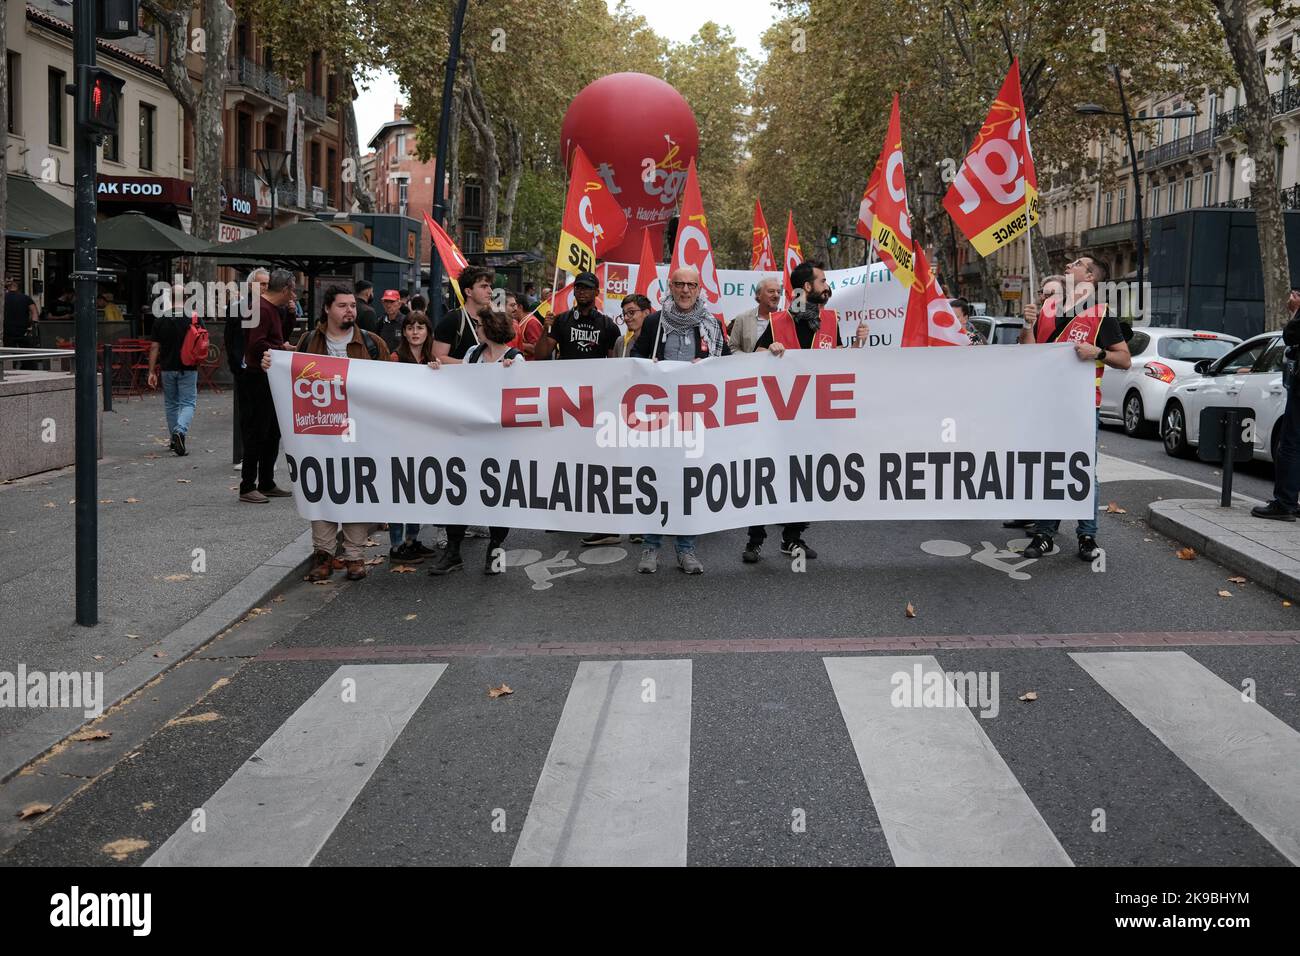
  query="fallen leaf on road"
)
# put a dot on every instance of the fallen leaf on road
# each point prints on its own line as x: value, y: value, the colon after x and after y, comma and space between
x: 1032, y: 695
x: 1225, y: 594
x: 371, y: 543
x: 72, y: 501
x: 1237, y: 580
x: 326, y: 581
x: 33, y: 810
x: 121, y: 849
x: 105, y: 501
x: 1114, y: 509
x: 409, y: 617
x: 1186, y: 554
x: 177, y: 577
x: 279, y: 598
x: 99, y: 657
x: 134, y: 637
x: 368, y: 640
x: 93, y: 735
x: 132, y: 501
x: 159, y: 653
x: 49, y: 504
x: 909, y: 610
x: 147, y: 805
x: 255, y: 611
x: 1286, y: 603
x: 371, y: 562
x: 401, y: 569
x: 495, y: 692
x: 204, y: 718
x: 184, y: 481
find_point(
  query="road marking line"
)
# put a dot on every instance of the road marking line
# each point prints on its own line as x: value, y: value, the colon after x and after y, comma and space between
x: 615, y: 787
x: 280, y: 807
x: 943, y: 793
x: 1112, y: 468
x: 1245, y: 754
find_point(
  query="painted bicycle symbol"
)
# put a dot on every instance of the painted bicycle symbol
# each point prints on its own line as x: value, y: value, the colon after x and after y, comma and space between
x: 1009, y: 560
x: 542, y: 572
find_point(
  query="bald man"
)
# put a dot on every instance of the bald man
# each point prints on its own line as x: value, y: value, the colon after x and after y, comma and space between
x: 745, y: 328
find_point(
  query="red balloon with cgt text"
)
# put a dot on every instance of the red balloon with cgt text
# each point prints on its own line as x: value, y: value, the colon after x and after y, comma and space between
x: 640, y: 134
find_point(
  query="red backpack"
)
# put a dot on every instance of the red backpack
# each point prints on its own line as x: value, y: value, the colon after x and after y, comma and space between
x: 194, y: 350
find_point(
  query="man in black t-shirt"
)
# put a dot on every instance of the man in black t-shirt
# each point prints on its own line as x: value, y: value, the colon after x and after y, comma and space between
x: 20, y: 315
x: 582, y: 332
x: 179, y: 381
x: 1105, y: 346
x: 458, y: 332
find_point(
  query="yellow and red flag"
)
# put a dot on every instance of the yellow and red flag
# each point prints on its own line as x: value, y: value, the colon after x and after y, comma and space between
x: 693, y: 246
x: 930, y: 319
x: 593, y: 219
x: 891, y: 228
x: 453, y: 260
x: 790, y: 257
x: 994, y: 199
x: 761, y: 256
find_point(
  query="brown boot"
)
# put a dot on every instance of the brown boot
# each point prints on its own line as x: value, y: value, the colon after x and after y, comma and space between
x: 356, y: 570
x: 322, y: 566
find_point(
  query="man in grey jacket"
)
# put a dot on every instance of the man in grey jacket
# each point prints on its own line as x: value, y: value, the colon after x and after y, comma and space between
x: 745, y: 328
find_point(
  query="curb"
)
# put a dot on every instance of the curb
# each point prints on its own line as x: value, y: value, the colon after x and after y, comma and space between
x: 1175, y: 518
x: 34, y: 739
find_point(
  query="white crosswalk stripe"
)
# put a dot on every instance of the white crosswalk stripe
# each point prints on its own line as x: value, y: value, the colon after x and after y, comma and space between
x: 944, y: 795
x: 615, y: 785
x: 281, y: 806
x: 1249, y: 757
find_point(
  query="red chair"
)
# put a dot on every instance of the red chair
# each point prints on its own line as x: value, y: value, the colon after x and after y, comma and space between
x: 209, y: 368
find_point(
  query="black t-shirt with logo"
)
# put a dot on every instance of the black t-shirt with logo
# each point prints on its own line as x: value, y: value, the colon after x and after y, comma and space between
x: 580, y: 337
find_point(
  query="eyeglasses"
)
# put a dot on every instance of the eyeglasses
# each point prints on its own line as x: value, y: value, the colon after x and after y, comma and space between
x: 686, y: 285
x: 628, y: 313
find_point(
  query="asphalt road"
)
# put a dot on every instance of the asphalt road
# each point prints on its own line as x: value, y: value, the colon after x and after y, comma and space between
x: 707, y: 720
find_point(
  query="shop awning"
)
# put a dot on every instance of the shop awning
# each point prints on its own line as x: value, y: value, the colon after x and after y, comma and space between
x: 31, y: 212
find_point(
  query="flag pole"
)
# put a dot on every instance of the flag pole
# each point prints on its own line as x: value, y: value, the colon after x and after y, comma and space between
x: 1029, y: 251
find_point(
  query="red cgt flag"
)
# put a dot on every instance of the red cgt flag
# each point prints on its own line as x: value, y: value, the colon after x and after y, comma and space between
x: 647, y: 273
x: 761, y: 256
x: 693, y: 246
x: 994, y: 199
x: 593, y: 219
x: 453, y: 260
x: 867, y: 209
x: 790, y: 258
x: 930, y: 319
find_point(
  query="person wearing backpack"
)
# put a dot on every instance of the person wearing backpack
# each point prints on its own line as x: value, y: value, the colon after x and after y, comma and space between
x: 498, y: 333
x: 180, y: 346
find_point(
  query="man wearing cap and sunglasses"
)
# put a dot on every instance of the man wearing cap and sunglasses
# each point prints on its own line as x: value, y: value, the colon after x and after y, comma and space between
x: 390, y: 323
x: 583, y: 331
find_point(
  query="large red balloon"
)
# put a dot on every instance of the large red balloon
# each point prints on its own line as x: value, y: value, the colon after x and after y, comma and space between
x: 640, y: 135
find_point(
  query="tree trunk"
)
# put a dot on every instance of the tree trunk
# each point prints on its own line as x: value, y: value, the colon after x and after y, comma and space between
x: 451, y: 199
x: 514, y: 173
x: 485, y: 145
x: 364, y: 197
x: 1265, y: 197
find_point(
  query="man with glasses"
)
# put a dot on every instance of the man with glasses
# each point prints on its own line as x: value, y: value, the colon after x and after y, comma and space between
x: 1080, y: 318
x: 684, y: 330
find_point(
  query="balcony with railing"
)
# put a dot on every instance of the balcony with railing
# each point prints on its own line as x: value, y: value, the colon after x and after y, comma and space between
x: 314, y: 105
x: 1114, y: 233
x: 240, y: 180
x: 1283, y: 101
x: 250, y: 75
x: 1290, y: 200
x: 1177, y: 149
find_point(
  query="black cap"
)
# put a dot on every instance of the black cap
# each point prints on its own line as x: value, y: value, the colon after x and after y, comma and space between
x: 588, y: 279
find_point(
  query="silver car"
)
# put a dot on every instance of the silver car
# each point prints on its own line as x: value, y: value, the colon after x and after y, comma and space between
x: 1135, y: 397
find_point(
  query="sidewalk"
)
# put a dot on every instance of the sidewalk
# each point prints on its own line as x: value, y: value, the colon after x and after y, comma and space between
x: 155, y: 512
x: 1267, y: 552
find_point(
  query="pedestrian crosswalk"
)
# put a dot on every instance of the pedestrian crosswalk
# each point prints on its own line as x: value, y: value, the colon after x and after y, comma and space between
x: 615, y: 785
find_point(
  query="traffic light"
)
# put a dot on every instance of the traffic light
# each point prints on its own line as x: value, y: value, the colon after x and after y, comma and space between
x: 117, y: 19
x: 834, y: 240
x: 99, y: 99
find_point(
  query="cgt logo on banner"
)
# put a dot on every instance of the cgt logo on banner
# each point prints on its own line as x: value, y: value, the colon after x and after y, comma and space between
x: 320, y: 395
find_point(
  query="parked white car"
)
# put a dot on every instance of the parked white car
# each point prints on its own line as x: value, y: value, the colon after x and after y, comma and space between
x: 997, y: 329
x: 1250, y: 376
x: 1135, y: 397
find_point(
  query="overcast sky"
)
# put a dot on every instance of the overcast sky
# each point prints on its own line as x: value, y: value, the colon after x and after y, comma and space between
x: 675, y: 19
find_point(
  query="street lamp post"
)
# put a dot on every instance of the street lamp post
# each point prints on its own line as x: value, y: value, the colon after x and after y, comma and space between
x: 1093, y: 109
x: 272, y: 163
x: 440, y: 162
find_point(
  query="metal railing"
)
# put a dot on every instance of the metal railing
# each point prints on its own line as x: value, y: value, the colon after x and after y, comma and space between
x: 239, y: 179
x: 11, y: 354
x: 245, y: 72
x: 1283, y: 101
x: 1178, y: 148
x: 1290, y: 200
x: 1115, y: 232
x: 313, y: 104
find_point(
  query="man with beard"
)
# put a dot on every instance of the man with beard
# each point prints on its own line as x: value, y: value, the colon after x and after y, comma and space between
x: 805, y: 325
x: 582, y: 332
x: 683, y: 331
x: 339, y: 336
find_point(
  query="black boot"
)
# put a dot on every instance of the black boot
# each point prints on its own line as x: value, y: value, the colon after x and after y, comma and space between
x: 447, y: 562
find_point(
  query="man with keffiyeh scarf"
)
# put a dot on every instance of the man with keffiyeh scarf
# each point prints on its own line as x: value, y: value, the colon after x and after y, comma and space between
x: 683, y: 331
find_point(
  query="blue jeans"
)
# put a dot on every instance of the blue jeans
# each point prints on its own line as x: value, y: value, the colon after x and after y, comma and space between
x: 398, y: 533
x: 1286, y: 478
x: 1084, y: 526
x: 685, y: 542
x: 180, y: 395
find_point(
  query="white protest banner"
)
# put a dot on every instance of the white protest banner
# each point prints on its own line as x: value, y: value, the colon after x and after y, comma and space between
x: 632, y: 446
x: 862, y: 293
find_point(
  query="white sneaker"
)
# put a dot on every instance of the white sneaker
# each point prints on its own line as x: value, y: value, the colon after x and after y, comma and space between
x: 649, y: 563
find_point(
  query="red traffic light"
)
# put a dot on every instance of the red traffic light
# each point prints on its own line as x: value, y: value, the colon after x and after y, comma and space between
x: 99, y: 95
